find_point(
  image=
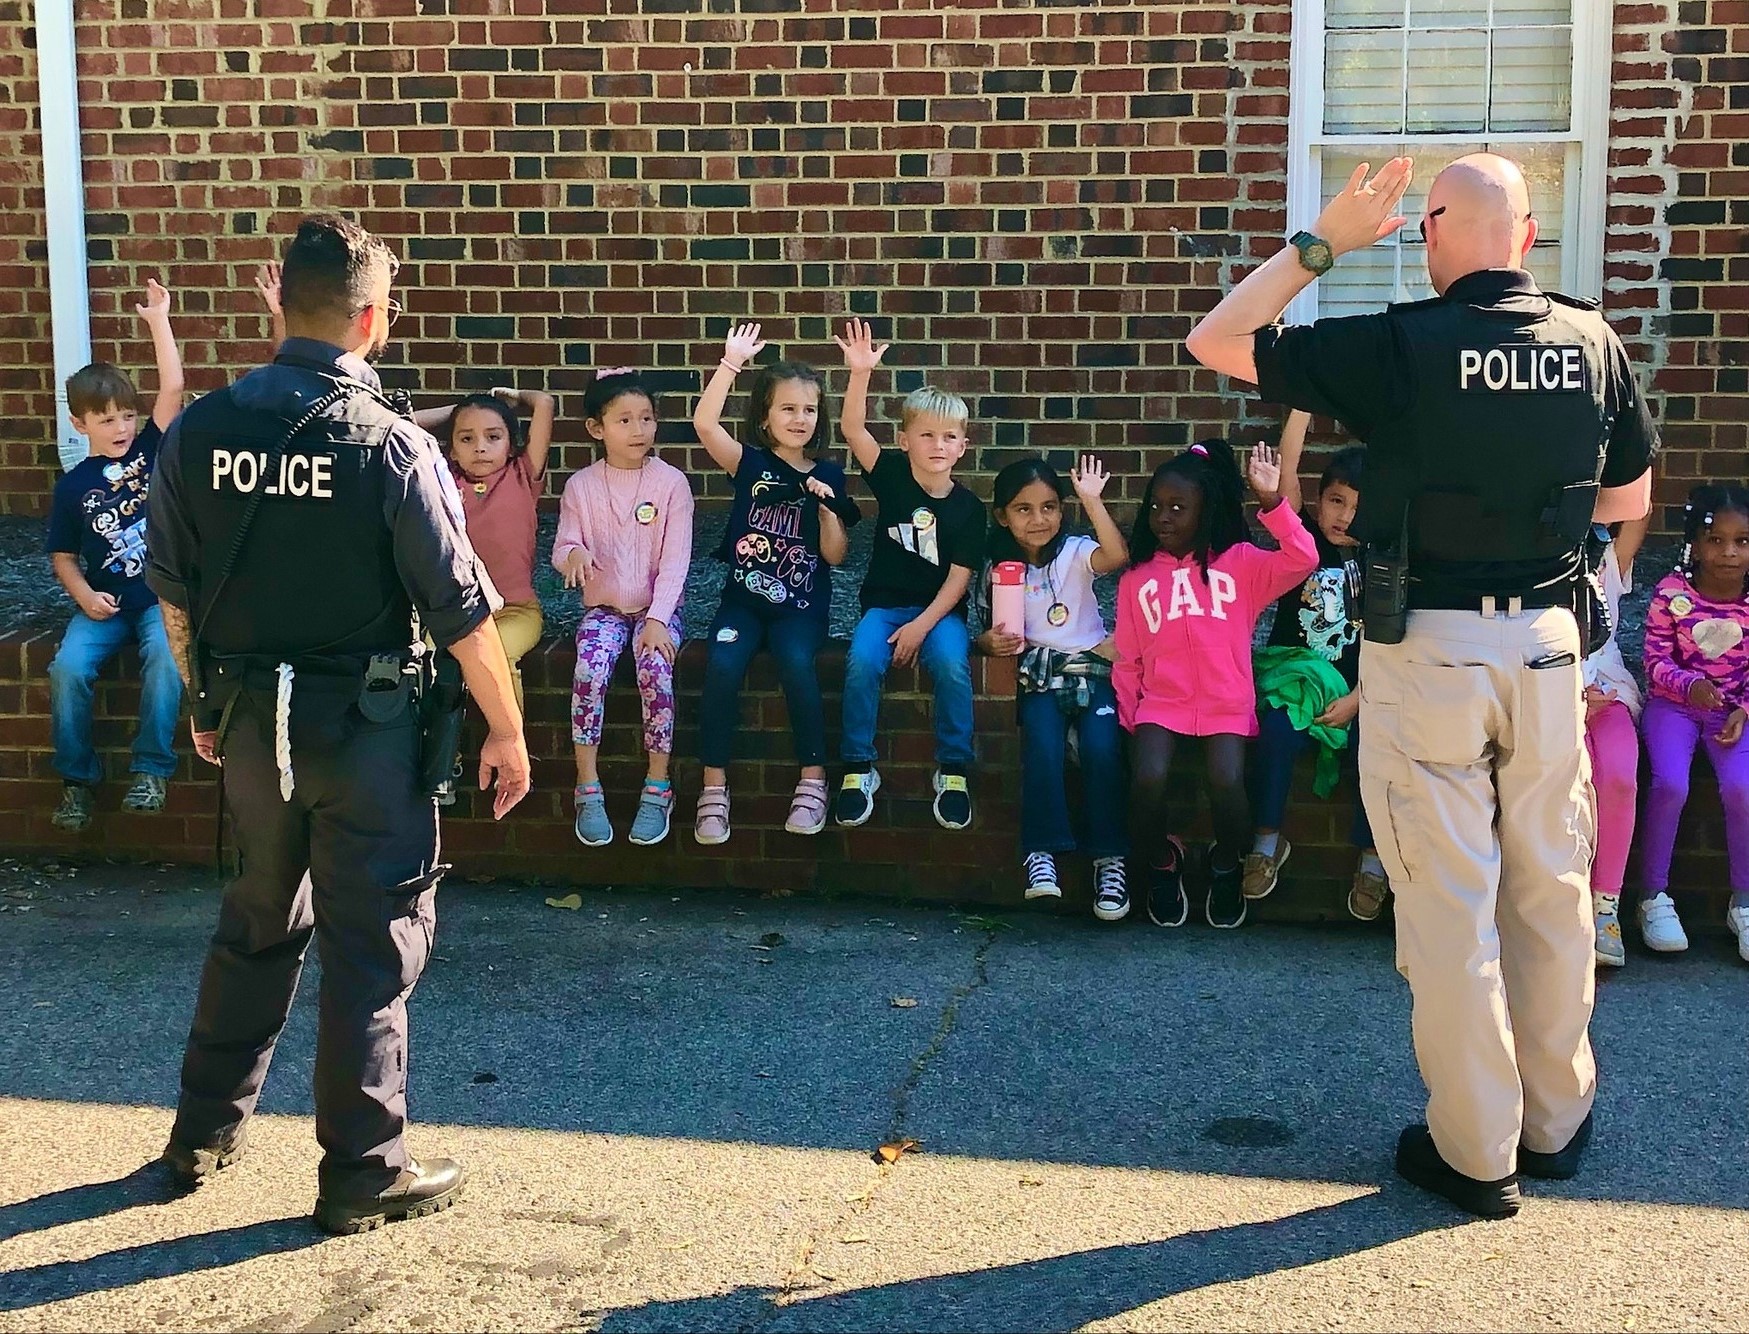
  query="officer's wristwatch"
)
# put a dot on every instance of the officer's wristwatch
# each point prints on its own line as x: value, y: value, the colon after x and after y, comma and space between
x: 1316, y: 257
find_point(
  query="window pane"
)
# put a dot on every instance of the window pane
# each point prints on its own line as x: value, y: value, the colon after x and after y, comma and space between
x: 1545, y: 172
x: 1532, y: 83
x: 1396, y: 269
x: 1448, y: 73
x: 1514, y: 13
x: 1447, y: 13
x: 1363, y: 13
x: 1362, y: 283
x: 1363, y: 82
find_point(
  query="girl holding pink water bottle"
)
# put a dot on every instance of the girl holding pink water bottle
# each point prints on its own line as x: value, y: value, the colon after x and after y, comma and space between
x: 1064, y: 672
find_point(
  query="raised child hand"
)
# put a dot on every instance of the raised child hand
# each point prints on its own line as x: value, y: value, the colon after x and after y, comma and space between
x: 858, y: 346
x: 1089, y: 479
x: 742, y: 344
x: 267, y: 283
x: 1263, y: 471
x: 157, y: 305
x: 819, y: 490
x: 506, y: 395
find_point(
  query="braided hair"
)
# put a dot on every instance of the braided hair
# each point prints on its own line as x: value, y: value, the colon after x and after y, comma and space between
x: 1705, y: 503
x: 1211, y: 467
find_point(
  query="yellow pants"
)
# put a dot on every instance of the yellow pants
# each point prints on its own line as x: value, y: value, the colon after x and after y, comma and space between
x: 519, y: 626
x: 1476, y: 781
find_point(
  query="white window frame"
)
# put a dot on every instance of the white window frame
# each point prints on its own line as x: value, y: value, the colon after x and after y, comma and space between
x: 1583, y: 219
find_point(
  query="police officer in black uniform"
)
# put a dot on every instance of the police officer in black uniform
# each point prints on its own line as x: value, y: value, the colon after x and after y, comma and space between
x: 1501, y: 421
x: 304, y: 538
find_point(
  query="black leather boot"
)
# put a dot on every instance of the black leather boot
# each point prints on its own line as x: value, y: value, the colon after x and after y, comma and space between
x: 421, y: 1189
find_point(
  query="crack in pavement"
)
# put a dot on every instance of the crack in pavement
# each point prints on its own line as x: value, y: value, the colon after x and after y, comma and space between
x: 862, y: 1202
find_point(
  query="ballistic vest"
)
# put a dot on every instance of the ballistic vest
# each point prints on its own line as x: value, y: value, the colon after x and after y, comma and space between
x: 316, y: 572
x: 1492, y: 473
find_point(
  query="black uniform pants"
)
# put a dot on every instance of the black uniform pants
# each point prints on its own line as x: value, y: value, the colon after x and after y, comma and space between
x: 351, y: 858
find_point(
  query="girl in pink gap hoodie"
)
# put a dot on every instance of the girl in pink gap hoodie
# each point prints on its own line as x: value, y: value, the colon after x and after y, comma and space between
x: 1186, y: 609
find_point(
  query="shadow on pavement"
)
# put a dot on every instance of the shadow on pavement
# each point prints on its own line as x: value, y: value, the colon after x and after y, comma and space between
x: 26, y: 1288
x: 95, y: 1199
x: 1065, y: 1291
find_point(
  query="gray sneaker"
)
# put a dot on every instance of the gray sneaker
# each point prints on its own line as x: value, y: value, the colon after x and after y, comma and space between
x: 650, y: 824
x: 593, y: 827
x: 147, y: 793
x: 74, y: 812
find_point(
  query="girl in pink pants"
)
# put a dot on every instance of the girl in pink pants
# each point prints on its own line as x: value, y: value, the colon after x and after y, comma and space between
x: 1612, y: 712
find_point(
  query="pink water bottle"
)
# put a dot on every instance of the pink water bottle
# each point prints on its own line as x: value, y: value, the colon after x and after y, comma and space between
x: 1008, y: 597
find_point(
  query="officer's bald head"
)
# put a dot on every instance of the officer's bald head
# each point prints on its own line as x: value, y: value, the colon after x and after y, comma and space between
x: 1478, y: 217
x: 334, y: 276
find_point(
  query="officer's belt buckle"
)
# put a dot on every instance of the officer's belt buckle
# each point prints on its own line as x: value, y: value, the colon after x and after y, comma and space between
x: 1491, y: 606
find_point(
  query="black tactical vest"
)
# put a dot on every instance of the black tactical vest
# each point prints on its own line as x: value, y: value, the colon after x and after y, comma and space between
x: 1494, y: 469
x: 316, y: 572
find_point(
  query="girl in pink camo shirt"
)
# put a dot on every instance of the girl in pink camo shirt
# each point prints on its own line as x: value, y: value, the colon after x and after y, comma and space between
x: 1697, y: 663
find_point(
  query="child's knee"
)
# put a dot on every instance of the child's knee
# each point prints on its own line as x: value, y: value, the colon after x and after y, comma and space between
x: 1669, y: 786
x: 68, y: 672
x: 1734, y: 794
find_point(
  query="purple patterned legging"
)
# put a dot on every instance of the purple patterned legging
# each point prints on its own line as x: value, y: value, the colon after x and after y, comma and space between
x: 602, y: 636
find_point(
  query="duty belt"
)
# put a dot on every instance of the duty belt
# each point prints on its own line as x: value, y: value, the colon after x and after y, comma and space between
x: 324, y: 673
x: 1492, y: 604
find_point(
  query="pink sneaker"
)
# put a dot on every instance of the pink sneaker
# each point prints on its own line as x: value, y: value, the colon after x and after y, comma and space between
x: 711, y: 825
x: 807, y: 811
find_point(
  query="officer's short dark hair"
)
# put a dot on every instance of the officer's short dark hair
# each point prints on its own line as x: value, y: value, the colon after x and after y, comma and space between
x: 1344, y: 469
x: 93, y: 388
x: 330, y: 267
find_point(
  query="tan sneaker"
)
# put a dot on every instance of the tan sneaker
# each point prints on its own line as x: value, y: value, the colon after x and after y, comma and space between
x: 1261, y: 871
x: 1366, y: 897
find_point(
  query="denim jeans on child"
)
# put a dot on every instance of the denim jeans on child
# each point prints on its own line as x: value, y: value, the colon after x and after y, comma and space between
x: 945, y: 655
x: 86, y: 646
x: 1044, y: 800
x: 735, y: 636
x: 1279, y: 744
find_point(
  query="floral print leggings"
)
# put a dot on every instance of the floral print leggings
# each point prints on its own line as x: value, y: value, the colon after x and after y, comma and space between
x: 602, y: 636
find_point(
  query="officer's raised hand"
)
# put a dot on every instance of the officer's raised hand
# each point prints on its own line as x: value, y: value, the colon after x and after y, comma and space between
x: 1263, y: 472
x: 1365, y: 211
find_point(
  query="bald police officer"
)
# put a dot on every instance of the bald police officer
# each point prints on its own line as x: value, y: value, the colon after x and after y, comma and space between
x: 297, y: 528
x: 1500, y: 420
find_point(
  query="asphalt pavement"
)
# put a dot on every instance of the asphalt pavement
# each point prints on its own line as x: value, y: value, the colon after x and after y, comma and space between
x: 673, y: 1106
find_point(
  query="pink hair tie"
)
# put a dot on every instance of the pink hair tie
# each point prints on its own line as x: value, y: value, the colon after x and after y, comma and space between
x: 615, y: 370
x: 1199, y: 449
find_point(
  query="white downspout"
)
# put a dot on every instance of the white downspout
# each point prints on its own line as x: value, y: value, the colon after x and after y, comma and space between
x: 57, y: 80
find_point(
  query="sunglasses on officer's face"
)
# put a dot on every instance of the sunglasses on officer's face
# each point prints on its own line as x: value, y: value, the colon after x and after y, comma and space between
x: 391, y: 309
x: 1441, y: 209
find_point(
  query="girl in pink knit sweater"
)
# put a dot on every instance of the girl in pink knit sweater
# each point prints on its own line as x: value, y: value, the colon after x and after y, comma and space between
x: 625, y: 540
x: 1186, y: 609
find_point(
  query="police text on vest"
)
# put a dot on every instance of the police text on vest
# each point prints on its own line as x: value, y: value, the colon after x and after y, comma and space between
x: 306, y: 476
x: 1524, y: 368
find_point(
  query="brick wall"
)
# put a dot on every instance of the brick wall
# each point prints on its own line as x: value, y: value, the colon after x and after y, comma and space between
x: 900, y: 853
x: 1035, y: 201
x: 1678, y: 251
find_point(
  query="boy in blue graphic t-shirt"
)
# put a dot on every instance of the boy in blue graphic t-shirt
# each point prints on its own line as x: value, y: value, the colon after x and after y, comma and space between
x: 97, y: 545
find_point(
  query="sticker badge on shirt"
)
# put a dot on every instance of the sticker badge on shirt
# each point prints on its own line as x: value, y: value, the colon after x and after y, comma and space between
x: 645, y: 513
x: 920, y: 536
x: 113, y: 473
x: 1680, y: 605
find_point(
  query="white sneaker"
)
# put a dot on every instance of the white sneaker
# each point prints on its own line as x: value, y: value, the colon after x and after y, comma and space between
x: 1610, y: 949
x: 1660, y: 927
x: 1738, y: 920
x: 1041, y: 876
x: 1111, y: 891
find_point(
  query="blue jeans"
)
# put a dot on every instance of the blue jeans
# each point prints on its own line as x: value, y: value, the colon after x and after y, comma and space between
x: 1044, y: 802
x: 947, y: 656
x: 86, y: 646
x: 1279, y: 744
x: 735, y: 636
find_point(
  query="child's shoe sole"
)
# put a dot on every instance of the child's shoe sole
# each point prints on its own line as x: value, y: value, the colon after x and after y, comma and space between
x: 1112, y: 914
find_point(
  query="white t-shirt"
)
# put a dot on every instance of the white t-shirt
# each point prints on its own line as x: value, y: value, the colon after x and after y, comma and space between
x: 1067, y: 582
x: 1606, y: 668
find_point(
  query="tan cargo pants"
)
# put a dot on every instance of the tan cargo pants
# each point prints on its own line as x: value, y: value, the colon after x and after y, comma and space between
x: 1475, y: 777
